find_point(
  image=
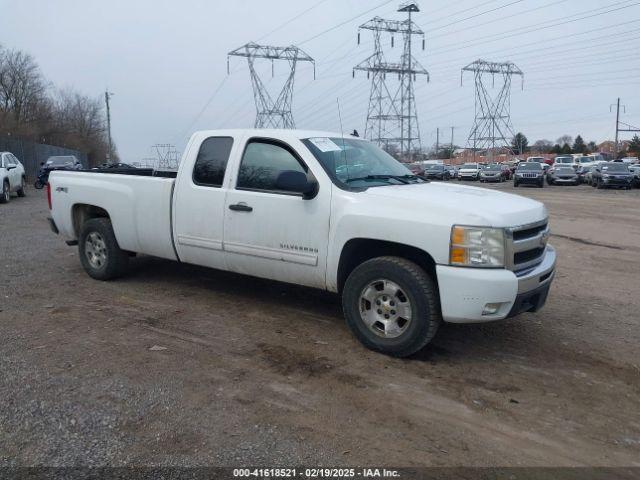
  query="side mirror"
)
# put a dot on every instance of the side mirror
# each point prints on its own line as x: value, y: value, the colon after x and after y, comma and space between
x: 297, y: 182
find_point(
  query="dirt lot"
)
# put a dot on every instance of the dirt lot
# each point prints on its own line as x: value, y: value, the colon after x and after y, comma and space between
x: 260, y: 373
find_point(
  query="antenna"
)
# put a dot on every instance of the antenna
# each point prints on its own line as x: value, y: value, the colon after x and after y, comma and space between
x: 344, y: 148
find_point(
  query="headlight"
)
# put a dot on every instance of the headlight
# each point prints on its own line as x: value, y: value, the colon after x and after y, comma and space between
x: 476, y: 246
x: 605, y: 176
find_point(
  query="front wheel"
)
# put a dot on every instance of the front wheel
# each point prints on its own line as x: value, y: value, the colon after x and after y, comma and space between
x: 100, y: 253
x: 391, y: 306
x: 38, y: 185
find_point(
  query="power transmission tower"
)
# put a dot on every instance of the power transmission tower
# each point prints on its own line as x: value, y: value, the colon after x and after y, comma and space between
x: 270, y: 113
x: 629, y: 128
x: 167, y: 155
x: 492, y: 128
x: 107, y: 96
x: 392, y: 117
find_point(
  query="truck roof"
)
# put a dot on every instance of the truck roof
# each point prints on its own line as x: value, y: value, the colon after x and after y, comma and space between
x: 269, y: 132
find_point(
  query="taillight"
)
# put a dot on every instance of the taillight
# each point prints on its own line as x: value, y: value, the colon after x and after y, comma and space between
x: 49, y: 194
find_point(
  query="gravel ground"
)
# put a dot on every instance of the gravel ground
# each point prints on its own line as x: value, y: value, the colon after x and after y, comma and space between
x: 179, y: 365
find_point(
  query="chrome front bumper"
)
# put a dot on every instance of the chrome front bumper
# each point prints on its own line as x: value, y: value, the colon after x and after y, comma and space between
x: 539, y: 276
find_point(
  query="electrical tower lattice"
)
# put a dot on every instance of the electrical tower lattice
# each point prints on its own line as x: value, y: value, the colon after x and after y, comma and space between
x: 270, y: 113
x: 392, y: 117
x: 492, y: 128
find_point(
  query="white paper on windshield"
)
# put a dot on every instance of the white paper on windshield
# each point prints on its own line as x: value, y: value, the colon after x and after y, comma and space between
x: 324, y: 144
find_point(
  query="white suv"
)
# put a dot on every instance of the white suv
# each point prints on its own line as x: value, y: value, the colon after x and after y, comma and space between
x: 12, y: 176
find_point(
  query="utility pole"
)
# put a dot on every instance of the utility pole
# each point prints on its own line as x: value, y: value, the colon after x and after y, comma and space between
x: 630, y: 128
x: 107, y: 95
x: 452, y: 128
x: 437, y: 141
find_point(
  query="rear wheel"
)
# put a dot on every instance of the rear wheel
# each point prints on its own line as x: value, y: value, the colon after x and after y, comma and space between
x: 21, y: 192
x: 100, y: 253
x: 391, y: 306
x: 5, y: 195
x: 38, y: 185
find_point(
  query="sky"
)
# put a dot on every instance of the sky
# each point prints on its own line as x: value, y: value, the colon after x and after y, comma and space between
x: 166, y: 62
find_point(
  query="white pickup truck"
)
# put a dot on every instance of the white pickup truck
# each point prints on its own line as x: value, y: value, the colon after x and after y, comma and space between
x: 326, y: 211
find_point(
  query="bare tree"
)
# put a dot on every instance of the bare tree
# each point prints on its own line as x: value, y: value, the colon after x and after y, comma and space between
x: 23, y: 91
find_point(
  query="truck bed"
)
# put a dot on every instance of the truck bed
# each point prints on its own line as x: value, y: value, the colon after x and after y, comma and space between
x: 139, y: 206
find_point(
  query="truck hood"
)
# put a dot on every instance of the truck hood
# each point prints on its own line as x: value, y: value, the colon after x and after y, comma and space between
x: 471, y: 205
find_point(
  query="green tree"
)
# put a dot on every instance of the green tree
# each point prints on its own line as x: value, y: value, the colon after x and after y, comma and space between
x: 520, y: 143
x: 592, y: 147
x: 634, y: 145
x: 557, y: 149
x: 566, y: 149
x: 579, y: 146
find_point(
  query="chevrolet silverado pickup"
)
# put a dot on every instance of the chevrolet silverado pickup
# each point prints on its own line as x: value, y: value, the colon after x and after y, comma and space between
x: 323, y: 210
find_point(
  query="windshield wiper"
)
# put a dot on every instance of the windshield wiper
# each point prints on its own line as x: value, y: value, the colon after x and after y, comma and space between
x: 400, y: 178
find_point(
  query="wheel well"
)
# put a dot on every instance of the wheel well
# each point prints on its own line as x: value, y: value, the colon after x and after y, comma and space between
x: 82, y: 212
x: 359, y: 250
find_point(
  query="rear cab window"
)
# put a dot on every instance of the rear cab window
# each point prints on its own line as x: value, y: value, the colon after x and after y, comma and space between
x: 211, y: 163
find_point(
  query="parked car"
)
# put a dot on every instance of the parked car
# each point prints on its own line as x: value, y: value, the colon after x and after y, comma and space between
x: 403, y: 253
x: 632, y: 160
x: 492, y: 173
x: 635, y: 171
x: 612, y: 174
x: 506, y: 171
x: 529, y: 173
x: 416, y: 169
x: 12, y: 177
x: 583, y: 172
x: 63, y: 162
x: 453, y: 171
x: 469, y: 171
x: 562, y: 176
x: 436, y: 171
x: 563, y: 160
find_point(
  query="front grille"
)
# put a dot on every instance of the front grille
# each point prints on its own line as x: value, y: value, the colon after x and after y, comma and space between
x: 527, y: 255
x: 526, y: 245
x: 528, y: 175
x: 529, y: 232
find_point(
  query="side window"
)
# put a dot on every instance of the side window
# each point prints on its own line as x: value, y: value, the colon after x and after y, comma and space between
x: 262, y: 163
x: 9, y: 160
x: 211, y: 162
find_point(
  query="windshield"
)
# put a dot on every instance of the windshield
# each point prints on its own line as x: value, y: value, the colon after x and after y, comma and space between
x: 435, y: 167
x: 615, y: 167
x: 60, y: 161
x: 564, y: 160
x: 535, y: 159
x: 530, y: 166
x: 358, y: 163
x: 469, y: 165
x: 495, y: 168
x: 585, y: 159
x: 565, y: 170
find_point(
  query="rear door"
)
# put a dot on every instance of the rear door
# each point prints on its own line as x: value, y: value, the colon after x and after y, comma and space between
x: 271, y: 233
x: 14, y: 173
x: 199, y: 201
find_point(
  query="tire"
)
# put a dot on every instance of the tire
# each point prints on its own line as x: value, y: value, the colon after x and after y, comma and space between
x: 99, y: 252
x: 411, y: 285
x: 5, y: 195
x: 38, y: 185
x: 541, y: 184
x: 515, y: 184
x: 21, y: 192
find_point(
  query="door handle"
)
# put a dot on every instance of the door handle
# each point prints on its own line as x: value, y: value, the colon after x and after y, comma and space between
x: 241, y: 207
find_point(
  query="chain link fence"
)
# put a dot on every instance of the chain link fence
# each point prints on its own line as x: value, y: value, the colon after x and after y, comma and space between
x: 32, y: 154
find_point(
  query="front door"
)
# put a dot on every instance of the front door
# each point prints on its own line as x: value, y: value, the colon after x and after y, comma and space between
x: 271, y: 233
